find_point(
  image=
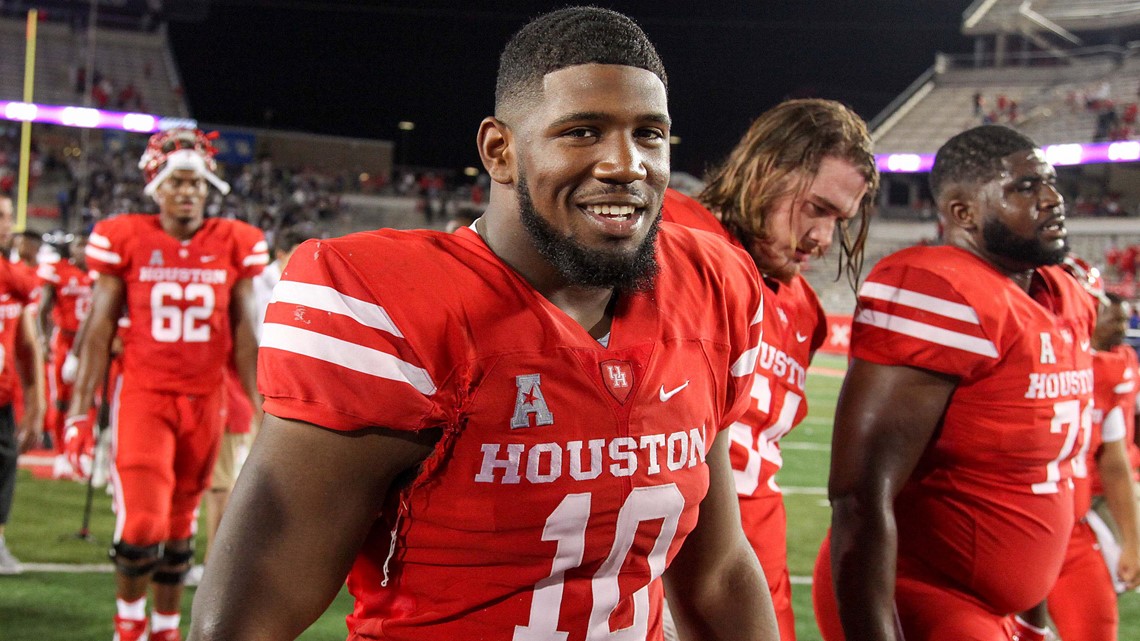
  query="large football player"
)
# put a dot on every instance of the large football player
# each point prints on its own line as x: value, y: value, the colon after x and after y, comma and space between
x: 515, y: 431
x: 962, y: 411
x: 185, y: 281
x: 802, y: 171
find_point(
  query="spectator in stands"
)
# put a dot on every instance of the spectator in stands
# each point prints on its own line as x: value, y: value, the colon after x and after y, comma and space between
x: 461, y: 218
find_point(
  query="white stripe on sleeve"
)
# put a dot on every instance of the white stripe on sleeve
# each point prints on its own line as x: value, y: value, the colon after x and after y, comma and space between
x: 1113, y: 428
x: 103, y: 255
x: 99, y: 240
x: 255, y: 259
x: 330, y: 300
x: 916, y: 300
x: 928, y: 333
x: 345, y: 354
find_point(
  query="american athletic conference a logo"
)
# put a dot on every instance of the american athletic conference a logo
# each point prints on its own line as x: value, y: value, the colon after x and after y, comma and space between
x: 529, y: 401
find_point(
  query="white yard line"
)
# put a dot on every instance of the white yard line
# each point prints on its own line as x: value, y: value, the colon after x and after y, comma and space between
x: 814, y: 491
x: 814, y: 447
x: 73, y: 568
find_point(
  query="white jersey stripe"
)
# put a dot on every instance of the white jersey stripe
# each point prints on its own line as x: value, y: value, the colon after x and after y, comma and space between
x: 330, y: 300
x: 103, y: 255
x: 925, y: 302
x: 99, y: 240
x: 349, y: 355
x: 926, y: 332
x: 255, y: 259
x: 1113, y: 428
x: 746, y: 364
x: 1122, y: 388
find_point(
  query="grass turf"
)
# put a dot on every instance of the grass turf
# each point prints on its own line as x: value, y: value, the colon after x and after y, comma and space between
x: 79, y: 606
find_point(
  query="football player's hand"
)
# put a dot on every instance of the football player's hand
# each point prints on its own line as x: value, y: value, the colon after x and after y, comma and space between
x: 1023, y: 631
x: 70, y: 368
x: 78, y: 439
x: 1128, y: 569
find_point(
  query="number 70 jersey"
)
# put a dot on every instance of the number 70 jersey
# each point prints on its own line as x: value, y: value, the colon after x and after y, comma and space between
x: 991, y: 497
x: 177, y: 295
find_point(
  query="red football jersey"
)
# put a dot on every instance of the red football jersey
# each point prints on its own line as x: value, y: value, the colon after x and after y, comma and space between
x: 1130, y: 411
x: 989, y: 507
x: 1113, y: 419
x: 569, y: 473
x: 795, y: 325
x: 178, y: 295
x: 17, y: 289
x: 682, y: 209
x: 72, y: 293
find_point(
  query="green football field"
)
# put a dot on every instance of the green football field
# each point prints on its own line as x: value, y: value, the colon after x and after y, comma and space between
x: 69, y: 592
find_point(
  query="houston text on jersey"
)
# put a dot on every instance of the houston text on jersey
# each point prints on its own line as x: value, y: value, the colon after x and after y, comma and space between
x: 1059, y: 384
x: 544, y: 461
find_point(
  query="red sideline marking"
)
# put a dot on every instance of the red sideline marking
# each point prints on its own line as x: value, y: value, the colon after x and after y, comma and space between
x: 39, y: 462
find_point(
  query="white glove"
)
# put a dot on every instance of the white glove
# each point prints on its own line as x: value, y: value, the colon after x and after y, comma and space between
x: 70, y: 368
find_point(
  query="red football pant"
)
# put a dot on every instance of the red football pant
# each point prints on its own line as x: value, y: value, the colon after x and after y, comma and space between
x: 766, y: 525
x: 164, y: 446
x: 1082, y: 603
x: 927, y: 612
x: 58, y: 392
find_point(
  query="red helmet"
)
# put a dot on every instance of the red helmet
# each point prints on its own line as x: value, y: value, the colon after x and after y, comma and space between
x: 174, y: 149
x: 1088, y: 276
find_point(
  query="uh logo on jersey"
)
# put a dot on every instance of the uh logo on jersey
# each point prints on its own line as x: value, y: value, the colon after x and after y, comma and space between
x: 530, y: 403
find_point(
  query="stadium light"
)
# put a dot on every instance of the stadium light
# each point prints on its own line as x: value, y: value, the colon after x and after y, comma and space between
x: 89, y: 118
x: 406, y: 125
x: 1066, y: 154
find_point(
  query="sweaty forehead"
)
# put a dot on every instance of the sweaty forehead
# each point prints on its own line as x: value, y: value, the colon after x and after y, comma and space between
x: 1026, y: 162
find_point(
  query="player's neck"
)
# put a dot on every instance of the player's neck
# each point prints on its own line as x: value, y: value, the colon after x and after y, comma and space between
x: 590, y: 307
x: 182, y: 230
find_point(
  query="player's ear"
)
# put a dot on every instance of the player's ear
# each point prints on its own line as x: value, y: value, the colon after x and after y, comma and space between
x: 960, y: 208
x: 496, y: 149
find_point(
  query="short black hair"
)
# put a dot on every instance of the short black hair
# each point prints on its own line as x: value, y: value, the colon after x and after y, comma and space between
x: 569, y: 37
x: 975, y: 155
x: 289, y: 238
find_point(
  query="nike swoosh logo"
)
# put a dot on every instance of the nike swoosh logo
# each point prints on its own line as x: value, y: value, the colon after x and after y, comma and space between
x: 664, y: 396
x: 1085, y: 346
x: 800, y: 337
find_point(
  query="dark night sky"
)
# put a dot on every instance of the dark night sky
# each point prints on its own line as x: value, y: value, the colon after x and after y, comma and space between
x: 358, y: 68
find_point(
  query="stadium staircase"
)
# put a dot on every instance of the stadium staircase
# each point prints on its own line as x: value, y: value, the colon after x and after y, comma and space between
x: 143, y: 59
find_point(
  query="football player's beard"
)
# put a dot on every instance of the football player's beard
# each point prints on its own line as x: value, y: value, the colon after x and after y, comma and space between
x: 1001, y: 241
x: 584, y: 266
